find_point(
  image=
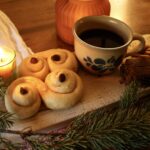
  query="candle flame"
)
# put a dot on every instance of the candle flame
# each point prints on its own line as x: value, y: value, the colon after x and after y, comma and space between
x: 1, y: 52
x: 2, y: 55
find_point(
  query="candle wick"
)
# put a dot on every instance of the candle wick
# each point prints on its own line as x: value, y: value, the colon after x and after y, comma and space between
x: 1, y: 60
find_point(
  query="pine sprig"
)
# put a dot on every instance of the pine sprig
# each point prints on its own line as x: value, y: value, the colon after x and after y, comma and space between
x: 117, y: 130
x: 6, y: 120
x: 130, y: 95
x: 112, y: 128
x: 2, y: 92
x: 36, y: 144
x: 123, y: 126
x: 8, y: 144
x: 3, y: 88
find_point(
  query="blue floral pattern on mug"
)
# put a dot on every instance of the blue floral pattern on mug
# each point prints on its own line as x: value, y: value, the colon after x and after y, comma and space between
x: 100, y: 65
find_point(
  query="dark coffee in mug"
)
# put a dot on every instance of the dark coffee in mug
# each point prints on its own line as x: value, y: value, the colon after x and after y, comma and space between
x: 110, y: 37
x: 102, y: 38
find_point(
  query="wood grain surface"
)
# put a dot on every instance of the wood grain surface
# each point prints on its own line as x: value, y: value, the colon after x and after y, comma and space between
x: 98, y: 92
x: 35, y: 19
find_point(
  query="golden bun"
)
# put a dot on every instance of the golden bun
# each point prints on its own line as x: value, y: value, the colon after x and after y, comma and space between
x: 22, y: 97
x: 64, y: 89
x: 34, y: 66
x: 60, y: 58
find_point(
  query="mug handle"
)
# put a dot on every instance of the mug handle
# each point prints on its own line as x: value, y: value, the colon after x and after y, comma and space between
x: 141, y: 45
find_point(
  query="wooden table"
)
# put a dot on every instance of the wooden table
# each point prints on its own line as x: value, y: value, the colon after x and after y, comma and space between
x: 35, y: 19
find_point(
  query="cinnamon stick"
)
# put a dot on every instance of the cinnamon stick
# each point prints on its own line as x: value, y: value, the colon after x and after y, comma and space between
x: 136, y: 67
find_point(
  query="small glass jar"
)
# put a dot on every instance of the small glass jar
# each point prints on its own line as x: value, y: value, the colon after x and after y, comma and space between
x: 69, y: 11
x: 7, y: 64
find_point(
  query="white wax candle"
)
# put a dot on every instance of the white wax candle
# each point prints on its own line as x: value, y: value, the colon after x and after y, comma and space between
x: 7, y: 62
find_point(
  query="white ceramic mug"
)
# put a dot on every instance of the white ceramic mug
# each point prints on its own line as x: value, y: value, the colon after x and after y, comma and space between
x: 101, y: 60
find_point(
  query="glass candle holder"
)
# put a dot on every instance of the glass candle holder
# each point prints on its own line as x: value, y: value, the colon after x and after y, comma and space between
x: 7, y: 64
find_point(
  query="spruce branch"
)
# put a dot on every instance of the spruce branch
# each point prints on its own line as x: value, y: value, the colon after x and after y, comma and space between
x: 35, y: 140
x: 128, y: 119
x: 130, y: 95
x: 2, y: 92
x: 36, y: 144
x: 123, y: 127
x: 2, y: 88
x: 6, y: 120
x: 8, y: 144
x: 29, y: 133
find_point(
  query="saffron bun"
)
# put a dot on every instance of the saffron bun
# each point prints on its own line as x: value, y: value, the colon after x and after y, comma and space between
x: 60, y: 58
x: 64, y: 89
x: 22, y: 97
x: 34, y: 66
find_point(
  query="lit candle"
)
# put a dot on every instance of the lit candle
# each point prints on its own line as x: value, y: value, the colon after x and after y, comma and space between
x: 7, y: 62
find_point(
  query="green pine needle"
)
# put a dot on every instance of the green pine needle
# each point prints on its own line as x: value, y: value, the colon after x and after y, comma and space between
x: 127, y: 126
x: 5, y: 120
x: 121, y: 127
x: 7, y: 144
x: 36, y: 144
x: 130, y: 95
x: 2, y: 89
x: 2, y: 92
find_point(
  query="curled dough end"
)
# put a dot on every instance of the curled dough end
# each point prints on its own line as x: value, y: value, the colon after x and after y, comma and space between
x: 34, y: 66
x: 61, y: 58
x: 22, y: 97
x: 65, y: 89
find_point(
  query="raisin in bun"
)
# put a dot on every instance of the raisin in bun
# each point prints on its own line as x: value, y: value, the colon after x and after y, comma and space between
x: 65, y: 89
x: 34, y: 66
x: 22, y: 97
x: 60, y: 58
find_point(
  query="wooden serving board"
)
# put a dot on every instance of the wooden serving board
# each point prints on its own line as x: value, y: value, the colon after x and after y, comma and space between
x: 98, y: 92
